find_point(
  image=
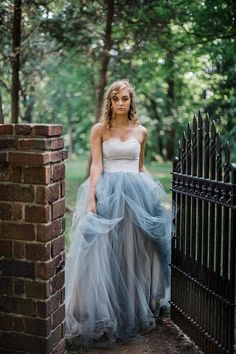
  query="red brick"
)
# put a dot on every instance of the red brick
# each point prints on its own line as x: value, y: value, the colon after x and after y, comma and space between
x: 18, y: 231
x: 16, y: 192
x: 63, y: 295
x: 5, y: 191
x: 27, y: 343
x: 38, y: 251
x: 57, y: 144
x: 37, y: 175
x: 6, y: 129
x: 48, y: 130
x: 46, y: 308
x: 5, y: 211
x: 28, y: 158
x: 62, y: 189
x: 19, y: 287
x: 54, y: 338
x: 19, y: 250
x: 17, y: 210
x: 10, y: 351
x: 5, y: 248
x: 4, y: 172
x: 61, y: 265
x: 45, y: 145
x: 37, y: 289
x: 18, y: 324
x: 63, y: 329
x: 22, y: 193
x: 23, y: 129
x: 40, y: 327
x: 51, y: 230
x: 6, y: 322
x: 32, y: 144
x: 45, y: 270
x: 58, y: 209
x: 65, y: 154
x: 17, y: 305
x: 8, y: 143
x: 3, y: 156
x: 60, y: 348
x: 37, y: 214
x: 17, y: 268
x: 6, y: 285
x: 58, y: 316
x: 57, y: 281
x: 57, y: 245
x: 47, y: 194
x: 15, y: 173
x: 57, y: 172
x: 57, y: 156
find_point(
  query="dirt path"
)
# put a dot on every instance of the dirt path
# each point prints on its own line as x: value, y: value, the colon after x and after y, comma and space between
x: 166, y: 338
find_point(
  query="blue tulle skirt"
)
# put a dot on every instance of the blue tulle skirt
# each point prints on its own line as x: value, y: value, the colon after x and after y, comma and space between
x: 117, y: 266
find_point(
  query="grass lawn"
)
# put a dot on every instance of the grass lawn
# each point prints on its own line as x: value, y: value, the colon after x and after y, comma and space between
x: 75, y: 175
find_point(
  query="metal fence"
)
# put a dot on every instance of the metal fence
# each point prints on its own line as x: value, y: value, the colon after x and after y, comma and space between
x: 204, y: 240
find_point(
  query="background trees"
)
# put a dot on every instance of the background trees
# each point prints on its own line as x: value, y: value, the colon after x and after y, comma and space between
x: 179, y: 56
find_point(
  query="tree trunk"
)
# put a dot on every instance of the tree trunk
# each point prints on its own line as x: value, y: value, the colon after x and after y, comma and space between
x: 16, y: 39
x: 160, y: 146
x: 105, y: 57
x: 159, y: 127
x: 170, y: 108
x: 28, y: 117
x: 70, y: 138
x: 1, y: 111
x: 28, y: 103
x: 170, y: 144
x: 154, y: 113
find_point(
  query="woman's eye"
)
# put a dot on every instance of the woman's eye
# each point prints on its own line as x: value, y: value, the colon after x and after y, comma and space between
x: 123, y: 99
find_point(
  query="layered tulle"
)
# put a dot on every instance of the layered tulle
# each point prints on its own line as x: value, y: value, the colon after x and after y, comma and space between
x: 117, y: 267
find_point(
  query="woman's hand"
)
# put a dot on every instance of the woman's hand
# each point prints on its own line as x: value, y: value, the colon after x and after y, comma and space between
x: 92, y: 206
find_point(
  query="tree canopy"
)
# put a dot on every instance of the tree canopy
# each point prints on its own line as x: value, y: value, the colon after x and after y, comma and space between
x: 179, y: 55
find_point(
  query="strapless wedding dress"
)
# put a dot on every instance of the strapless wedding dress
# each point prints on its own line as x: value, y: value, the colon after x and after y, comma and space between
x: 117, y: 266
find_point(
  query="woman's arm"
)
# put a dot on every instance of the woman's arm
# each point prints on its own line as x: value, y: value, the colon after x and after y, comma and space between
x: 96, y: 165
x: 142, y: 151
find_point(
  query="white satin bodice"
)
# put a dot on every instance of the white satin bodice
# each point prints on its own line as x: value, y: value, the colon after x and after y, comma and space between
x: 121, y: 156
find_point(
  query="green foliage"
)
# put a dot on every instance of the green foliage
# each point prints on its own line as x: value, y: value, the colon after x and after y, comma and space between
x: 179, y: 55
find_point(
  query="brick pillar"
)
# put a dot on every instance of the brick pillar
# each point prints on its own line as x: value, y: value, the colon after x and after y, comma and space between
x: 32, y: 255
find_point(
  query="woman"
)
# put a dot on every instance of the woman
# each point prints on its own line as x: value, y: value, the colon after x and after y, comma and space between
x: 117, y: 269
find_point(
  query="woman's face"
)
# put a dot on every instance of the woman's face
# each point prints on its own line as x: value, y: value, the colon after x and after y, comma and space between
x: 120, y: 102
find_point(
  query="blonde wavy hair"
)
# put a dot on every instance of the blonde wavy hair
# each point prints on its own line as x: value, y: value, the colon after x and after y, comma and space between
x: 107, y: 114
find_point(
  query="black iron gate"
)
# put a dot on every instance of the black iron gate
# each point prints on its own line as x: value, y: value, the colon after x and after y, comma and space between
x: 204, y: 240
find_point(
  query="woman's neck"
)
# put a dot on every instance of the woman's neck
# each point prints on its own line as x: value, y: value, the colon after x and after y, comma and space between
x: 121, y: 121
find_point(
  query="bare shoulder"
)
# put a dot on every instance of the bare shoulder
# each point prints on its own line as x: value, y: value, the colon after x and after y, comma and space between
x: 143, y: 131
x: 97, y: 130
x: 97, y: 127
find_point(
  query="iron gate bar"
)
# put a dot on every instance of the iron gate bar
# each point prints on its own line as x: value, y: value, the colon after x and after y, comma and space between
x: 204, y: 240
